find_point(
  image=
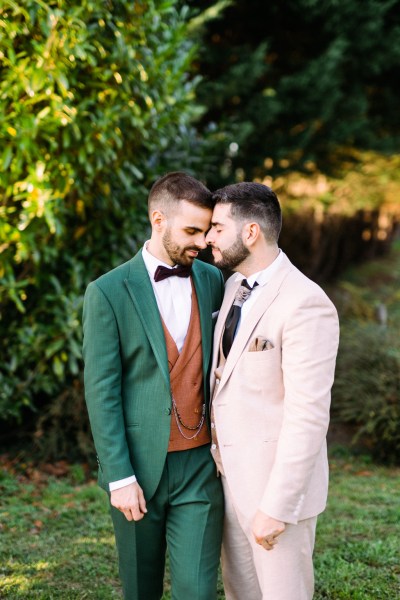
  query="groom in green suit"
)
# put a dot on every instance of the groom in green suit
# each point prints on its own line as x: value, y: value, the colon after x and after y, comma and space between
x: 147, y: 345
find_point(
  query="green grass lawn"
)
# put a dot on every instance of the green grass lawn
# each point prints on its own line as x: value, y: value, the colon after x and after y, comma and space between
x: 56, y: 539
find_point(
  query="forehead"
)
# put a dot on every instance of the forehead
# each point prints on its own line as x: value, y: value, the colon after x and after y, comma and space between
x: 222, y: 214
x: 187, y: 213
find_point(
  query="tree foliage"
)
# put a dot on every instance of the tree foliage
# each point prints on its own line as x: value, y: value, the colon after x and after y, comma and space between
x: 95, y: 103
x: 289, y: 82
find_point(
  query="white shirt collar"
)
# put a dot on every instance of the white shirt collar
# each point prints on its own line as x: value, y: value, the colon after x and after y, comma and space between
x: 262, y: 277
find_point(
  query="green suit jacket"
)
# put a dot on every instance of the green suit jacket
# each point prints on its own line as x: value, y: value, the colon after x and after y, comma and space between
x: 127, y: 386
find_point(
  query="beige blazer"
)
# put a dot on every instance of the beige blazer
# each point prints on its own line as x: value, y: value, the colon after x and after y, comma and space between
x: 271, y: 407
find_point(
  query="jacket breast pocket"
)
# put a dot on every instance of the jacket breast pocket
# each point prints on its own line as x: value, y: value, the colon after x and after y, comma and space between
x: 262, y: 369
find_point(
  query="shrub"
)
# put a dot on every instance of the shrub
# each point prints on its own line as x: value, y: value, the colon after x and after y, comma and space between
x: 366, y: 392
x: 95, y: 103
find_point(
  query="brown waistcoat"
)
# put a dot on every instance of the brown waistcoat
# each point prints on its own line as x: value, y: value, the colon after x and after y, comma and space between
x: 186, y: 376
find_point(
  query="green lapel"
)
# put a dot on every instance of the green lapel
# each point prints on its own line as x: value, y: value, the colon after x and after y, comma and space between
x: 141, y: 291
x: 205, y: 308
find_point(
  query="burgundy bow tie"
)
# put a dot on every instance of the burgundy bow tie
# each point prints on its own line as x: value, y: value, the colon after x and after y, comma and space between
x: 164, y: 272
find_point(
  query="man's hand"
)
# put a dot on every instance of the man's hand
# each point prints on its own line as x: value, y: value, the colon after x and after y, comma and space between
x: 130, y: 501
x: 266, y: 530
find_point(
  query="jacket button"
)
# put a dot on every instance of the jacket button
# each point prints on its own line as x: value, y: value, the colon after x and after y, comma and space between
x: 167, y: 411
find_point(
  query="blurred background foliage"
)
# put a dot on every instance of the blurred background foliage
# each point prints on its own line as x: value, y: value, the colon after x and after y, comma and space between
x: 366, y: 392
x: 290, y: 82
x: 100, y: 97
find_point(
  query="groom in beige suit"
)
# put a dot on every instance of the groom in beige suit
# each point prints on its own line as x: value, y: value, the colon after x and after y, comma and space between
x: 275, y: 348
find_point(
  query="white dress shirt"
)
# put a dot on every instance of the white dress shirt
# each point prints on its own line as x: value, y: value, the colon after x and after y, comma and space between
x: 174, y: 301
x: 262, y: 278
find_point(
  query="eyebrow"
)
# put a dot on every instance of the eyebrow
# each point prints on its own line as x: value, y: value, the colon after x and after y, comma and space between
x: 216, y: 223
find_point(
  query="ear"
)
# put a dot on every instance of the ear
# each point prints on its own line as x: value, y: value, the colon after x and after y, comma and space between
x: 251, y: 233
x: 157, y: 219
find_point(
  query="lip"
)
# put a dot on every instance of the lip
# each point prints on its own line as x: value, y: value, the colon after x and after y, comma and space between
x: 193, y: 252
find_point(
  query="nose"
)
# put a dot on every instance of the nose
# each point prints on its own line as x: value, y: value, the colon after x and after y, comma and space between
x: 201, y: 241
x: 208, y: 238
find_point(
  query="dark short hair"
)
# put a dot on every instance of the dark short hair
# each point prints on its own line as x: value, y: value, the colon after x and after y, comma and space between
x: 253, y: 202
x: 176, y: 186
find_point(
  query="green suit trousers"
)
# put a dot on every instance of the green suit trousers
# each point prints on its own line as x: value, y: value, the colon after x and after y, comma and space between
x: 185, y: 515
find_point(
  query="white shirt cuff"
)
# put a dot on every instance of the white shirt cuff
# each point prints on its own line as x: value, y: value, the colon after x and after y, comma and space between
x: 116, y: 485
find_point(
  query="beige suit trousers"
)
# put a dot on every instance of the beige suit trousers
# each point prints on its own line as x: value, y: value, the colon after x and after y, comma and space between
x: 252, y: 573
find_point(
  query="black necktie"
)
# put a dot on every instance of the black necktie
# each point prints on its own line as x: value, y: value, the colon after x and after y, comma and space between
x: 164, y: 272
x: 233, y: 317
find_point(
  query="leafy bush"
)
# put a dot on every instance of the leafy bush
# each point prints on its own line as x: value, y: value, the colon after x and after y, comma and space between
x: 95, y: 103
x: 366, y: 392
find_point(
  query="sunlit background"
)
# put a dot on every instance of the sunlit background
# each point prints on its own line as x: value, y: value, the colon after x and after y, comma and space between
x: 100, y: 97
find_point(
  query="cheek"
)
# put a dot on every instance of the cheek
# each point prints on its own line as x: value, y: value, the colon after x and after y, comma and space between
x: 223, y: 242
x: 188, y: 242
x: 181, y: 240
x: 214, y: 239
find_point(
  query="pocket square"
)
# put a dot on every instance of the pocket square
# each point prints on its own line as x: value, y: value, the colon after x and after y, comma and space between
x: 259, y: 344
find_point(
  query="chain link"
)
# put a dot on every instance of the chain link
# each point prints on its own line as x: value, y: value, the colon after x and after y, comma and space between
x: 180, y: 423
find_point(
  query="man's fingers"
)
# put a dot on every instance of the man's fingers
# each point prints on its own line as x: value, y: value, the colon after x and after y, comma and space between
x: 268, y: 543
x: 271, y: 537
x: 142, y: 503
x: 271, y: 541
x: 137, y: 513
x: 132, y: 512
x: 130, y: 501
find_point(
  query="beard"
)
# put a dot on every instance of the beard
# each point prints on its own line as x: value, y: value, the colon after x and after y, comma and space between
x: 233, y: 256
x: 176, y: 252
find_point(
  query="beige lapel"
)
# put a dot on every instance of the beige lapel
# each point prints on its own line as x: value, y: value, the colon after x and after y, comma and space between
x: 265, y: 299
